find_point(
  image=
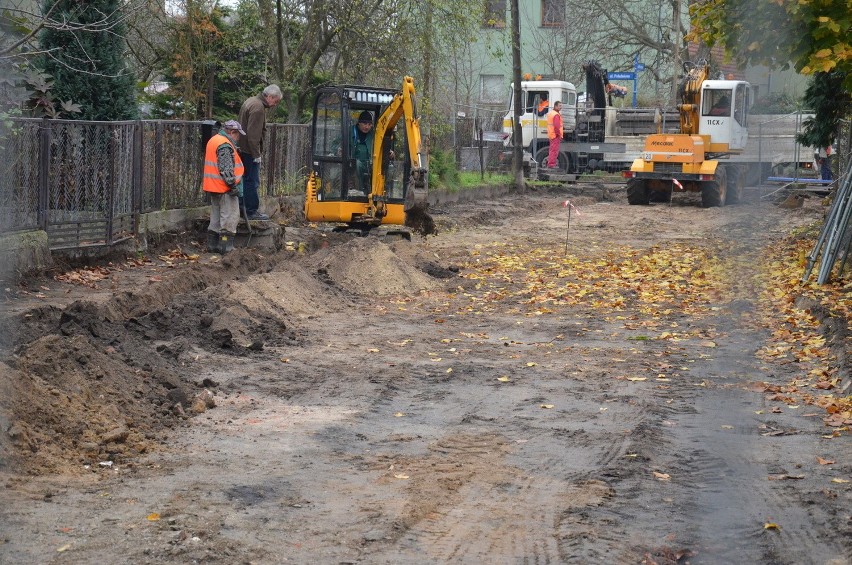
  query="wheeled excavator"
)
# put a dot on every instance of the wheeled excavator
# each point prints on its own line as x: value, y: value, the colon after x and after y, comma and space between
x: 713, y: 126
x: 389, y: 189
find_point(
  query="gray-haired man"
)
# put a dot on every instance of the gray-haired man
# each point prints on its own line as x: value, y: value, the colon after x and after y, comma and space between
x: 253, y: 119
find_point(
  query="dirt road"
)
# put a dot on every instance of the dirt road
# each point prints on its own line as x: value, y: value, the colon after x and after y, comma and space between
x: 513, y: 390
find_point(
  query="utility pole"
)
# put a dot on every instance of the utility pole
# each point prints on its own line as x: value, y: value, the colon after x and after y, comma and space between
x: 517, y: 135
x: 677, y: 39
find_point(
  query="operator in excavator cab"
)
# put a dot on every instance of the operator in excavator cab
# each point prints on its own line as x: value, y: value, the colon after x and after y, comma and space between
x: 362, y: 151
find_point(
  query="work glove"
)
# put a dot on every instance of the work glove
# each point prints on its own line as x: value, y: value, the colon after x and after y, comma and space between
x: 237, y: 190
x: 257, y: 160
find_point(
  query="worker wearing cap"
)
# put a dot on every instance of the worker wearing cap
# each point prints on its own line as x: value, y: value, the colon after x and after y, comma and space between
x: 361, y: 150
x: 223, y: 181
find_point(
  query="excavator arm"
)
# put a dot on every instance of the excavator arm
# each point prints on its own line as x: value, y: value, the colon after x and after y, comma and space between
x: 403, y: 107
x: 689, y: 91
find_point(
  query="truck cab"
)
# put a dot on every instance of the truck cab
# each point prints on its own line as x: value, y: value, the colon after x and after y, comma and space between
x: 533, y: 125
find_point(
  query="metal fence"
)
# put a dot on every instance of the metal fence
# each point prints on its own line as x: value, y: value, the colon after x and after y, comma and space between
x: 85, y: 183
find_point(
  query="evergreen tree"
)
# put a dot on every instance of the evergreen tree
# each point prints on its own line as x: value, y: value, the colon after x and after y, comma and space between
x: 85, y: 56
x: 831, y: 102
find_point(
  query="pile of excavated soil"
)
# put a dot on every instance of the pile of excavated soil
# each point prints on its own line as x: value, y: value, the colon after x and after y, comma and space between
x: 97, y: 381
x: 368, y: 267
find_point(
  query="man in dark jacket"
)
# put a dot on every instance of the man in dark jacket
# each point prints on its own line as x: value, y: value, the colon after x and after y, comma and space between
x: 253, y: 120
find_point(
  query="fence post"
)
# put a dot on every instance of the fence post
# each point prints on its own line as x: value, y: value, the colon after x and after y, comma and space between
x: 158, y: 165
x: 138, y: 174
x: 110, y: 193
x: 43, y: 173
x: 270, y: 168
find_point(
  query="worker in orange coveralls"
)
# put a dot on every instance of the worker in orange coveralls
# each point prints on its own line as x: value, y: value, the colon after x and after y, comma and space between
x: 554, y: 133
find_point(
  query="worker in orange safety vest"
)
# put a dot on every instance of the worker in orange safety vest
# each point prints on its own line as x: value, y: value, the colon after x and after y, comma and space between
x: 543, y: 106
x: 554, y: 134
x: 223, y: 181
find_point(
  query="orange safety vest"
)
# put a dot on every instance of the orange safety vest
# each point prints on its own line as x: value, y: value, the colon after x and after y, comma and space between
x: 213, y: 181
x: 551, y: 130
x: 542, y: 106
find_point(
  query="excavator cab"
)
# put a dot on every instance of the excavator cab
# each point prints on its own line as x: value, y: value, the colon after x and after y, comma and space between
x: 725, y: 106
x: 371, y: 175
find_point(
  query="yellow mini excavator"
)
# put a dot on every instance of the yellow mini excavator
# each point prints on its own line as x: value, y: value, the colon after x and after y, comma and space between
x: 365, y: 189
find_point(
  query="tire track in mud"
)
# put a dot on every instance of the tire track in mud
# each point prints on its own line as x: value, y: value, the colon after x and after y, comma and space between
x: 547, y: 492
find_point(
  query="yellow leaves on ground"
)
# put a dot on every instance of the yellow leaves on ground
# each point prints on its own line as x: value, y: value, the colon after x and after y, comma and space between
x: 662, y: 476
x: 771, y: 526
x: 671, y: 276
x: 153, y: 517
x: 796, y: 335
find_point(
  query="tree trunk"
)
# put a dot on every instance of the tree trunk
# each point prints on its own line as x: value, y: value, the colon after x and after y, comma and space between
x: 517, y: 137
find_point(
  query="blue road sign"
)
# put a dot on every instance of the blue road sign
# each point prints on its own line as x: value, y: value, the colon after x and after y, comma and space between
x: 621, y: 76
x: 639, y: 67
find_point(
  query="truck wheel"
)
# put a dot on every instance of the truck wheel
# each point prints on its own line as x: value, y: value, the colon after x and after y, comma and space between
x: 736, y: 184
x: 713, y: 192
x: 563, y: 161
x: 637, y: 192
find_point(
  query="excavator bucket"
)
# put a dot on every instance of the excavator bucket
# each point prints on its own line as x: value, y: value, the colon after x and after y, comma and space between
x: 416, y: 205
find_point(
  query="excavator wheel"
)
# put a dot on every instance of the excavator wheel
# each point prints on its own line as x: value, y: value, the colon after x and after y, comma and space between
x: 660, y: 195
x: 713, y: 192
x: 736, y: 184
x: 637, y: 192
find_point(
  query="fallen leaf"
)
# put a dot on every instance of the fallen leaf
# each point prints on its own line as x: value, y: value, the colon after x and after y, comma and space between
x: 450, y: 370
x: 662, y: 476
x: 372, y: 350
x: 531, y: 364
x: 708, y: 343
x: 401, y: 476
x: 399, y: 415
x: 65, y: 547
x: 841, y: 481
x: 503, y: 379
x: 153, y: 517
x: 784, y: 477
x: 726, y: 427
x: 637, y: 378
x: 771, y: 526
x: 547, y: 406
x: 822, y: 461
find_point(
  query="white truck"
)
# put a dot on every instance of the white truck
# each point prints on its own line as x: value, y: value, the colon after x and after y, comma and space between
x: 585, y: 129
x: 533, y: 122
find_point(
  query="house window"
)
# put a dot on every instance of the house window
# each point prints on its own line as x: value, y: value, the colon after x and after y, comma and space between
x: 552, y: 13
x: 495, y: 14
x: 493, y: 88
